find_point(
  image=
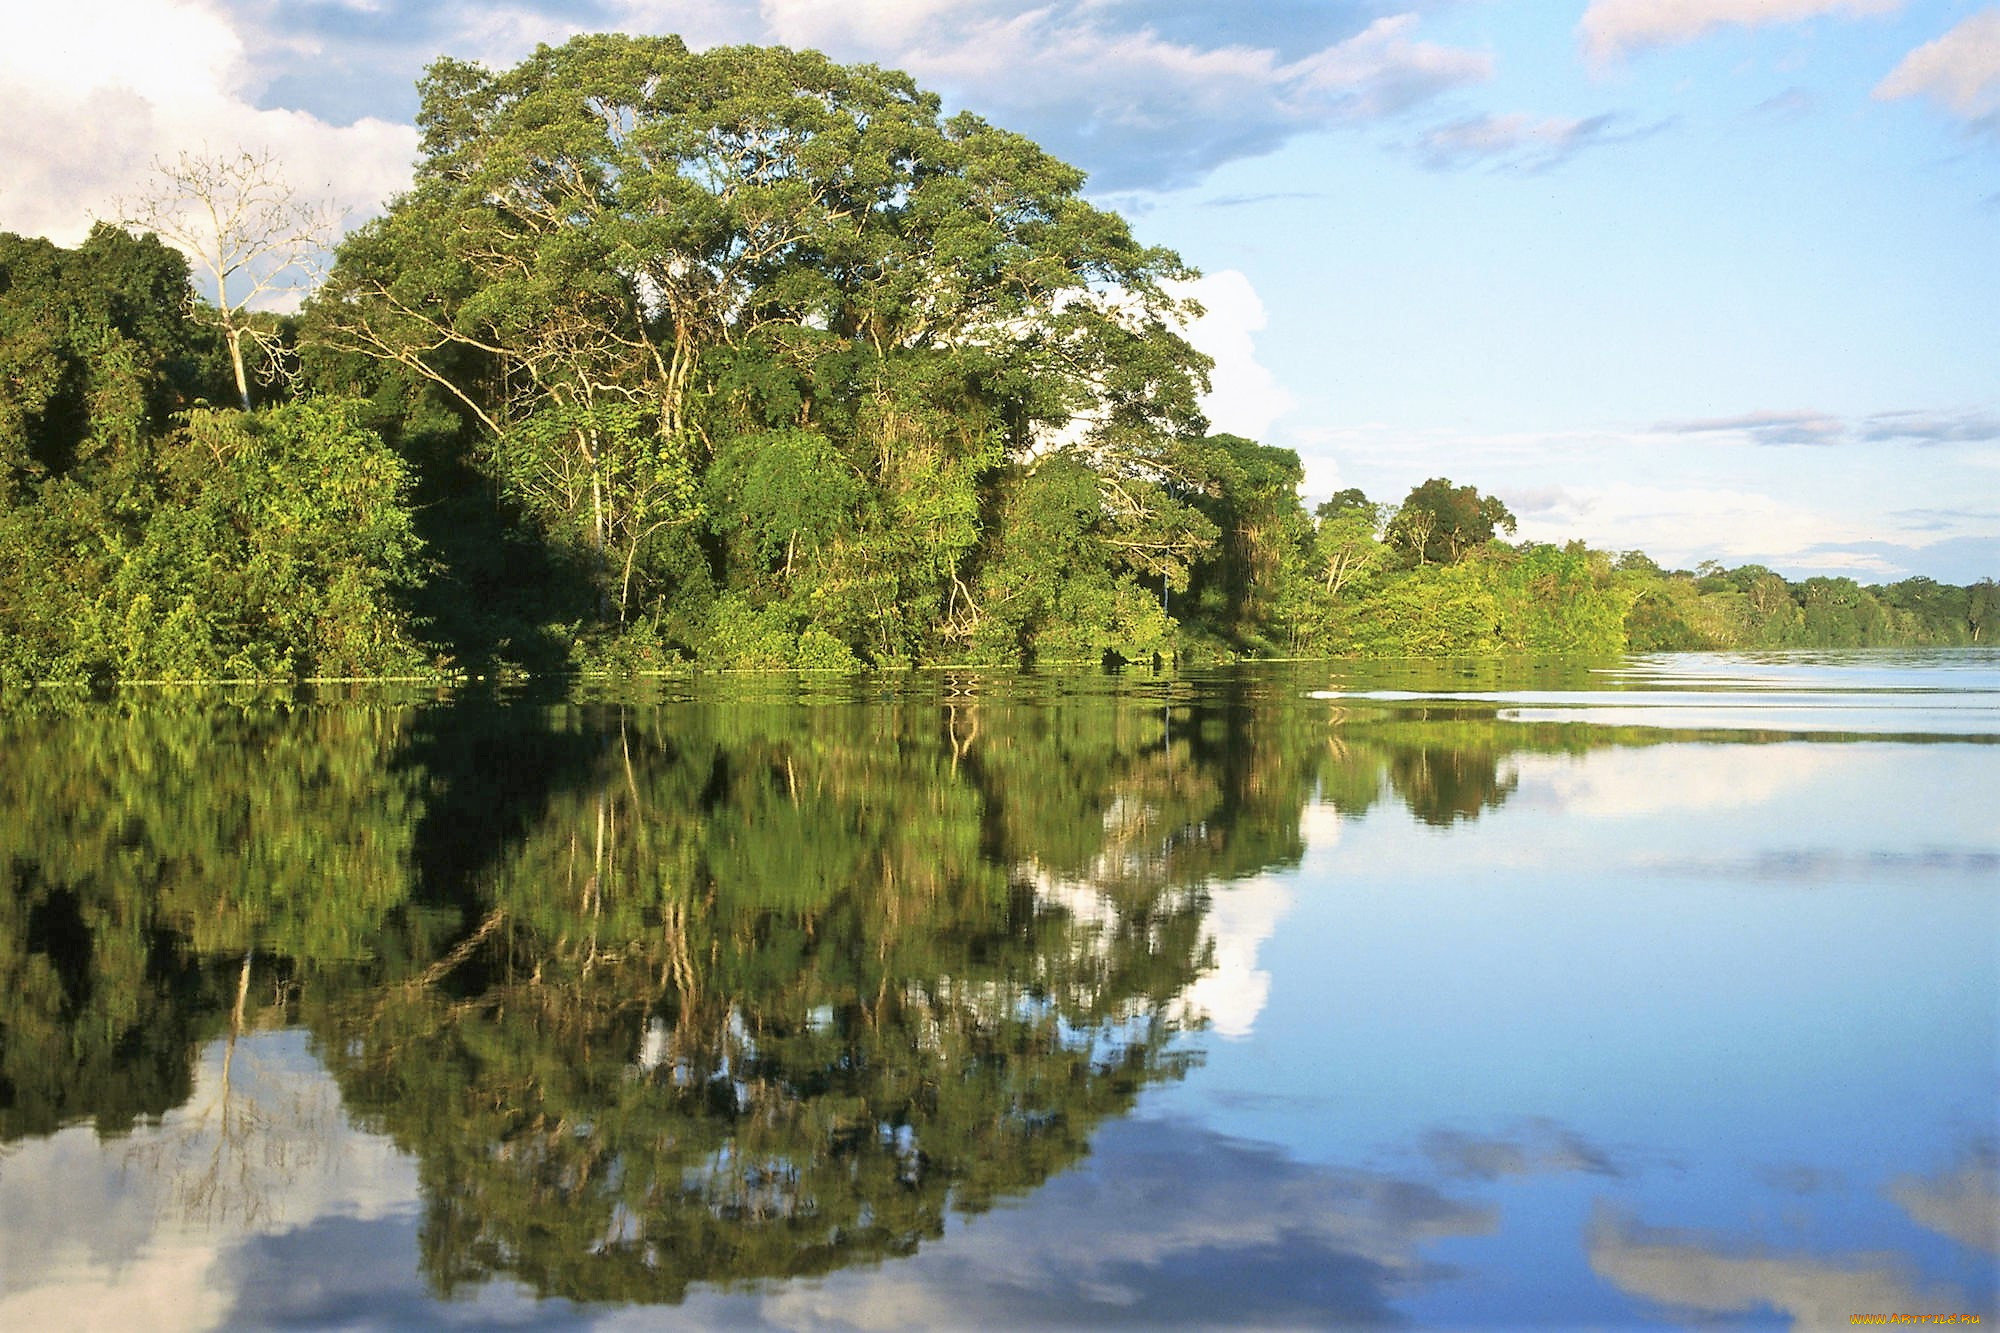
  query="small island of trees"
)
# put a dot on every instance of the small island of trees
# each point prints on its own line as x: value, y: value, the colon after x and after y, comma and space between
x: 743, y: 358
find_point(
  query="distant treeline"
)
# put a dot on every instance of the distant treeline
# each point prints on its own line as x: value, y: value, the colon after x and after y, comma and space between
x: 742, y: 358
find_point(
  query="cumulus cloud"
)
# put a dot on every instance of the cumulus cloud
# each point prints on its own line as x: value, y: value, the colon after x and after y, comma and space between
x: 1244, y: 397
x: 1518, y: 142
x: 1137, y: 108
x: 1612, y: 28
x: 97, y: 90
x: 1141, y: 95
x: 1960, y: 71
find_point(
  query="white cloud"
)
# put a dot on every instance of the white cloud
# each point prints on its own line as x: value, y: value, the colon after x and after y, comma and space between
x: 162, y: 52
x: 1245, y: 397
x: 873, y: 22
x: 1681, y: 525
x: 1960, y: 70
x: 1138, y: 108
x: 1384, y: 69
x: 1803, y: 426
x: 116, y: 84
x: 1520, y: 142
x: 1612, y: 28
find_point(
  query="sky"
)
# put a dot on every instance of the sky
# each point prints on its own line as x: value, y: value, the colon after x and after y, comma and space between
x: 1712, y: 279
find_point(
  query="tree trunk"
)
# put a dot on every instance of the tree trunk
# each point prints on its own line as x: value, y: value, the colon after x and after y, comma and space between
x: 234, y: 336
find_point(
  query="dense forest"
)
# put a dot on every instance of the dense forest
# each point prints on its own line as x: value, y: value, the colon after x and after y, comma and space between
x: 747, y: 359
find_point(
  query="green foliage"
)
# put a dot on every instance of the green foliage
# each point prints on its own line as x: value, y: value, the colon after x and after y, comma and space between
x: 1560, y: 600
x: 1432, y: 611
x: 1053, y: 587
x: 1249, y: 492
x: 753, y: 359
x: 239, y: 545
x: 1982, y: 612
x: 777, y: 496
x: 859, y: 310
x: 1438, y: 523
x: 96, y: 350
x: 774, y: 637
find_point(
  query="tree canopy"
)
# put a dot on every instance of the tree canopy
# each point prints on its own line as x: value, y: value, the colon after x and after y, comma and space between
x: 630, y: 264
x: 741, y: 357
x: 1438, y: 523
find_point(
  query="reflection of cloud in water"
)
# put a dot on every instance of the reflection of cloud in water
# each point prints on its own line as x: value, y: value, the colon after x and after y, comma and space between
x: 1319, y: 826
x: 1697, y: 1272
x: 165, y: 1287
x: 1241, y: 917
x: 135, y: 1235
x: 1540, y: 1147
x: 1962, y: 1203
x: 1167, y: 1223
x: 1232, y: 992
x: 1615, y: 783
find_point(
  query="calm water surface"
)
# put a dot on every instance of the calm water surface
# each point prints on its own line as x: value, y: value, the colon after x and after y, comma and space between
x: 1660, y: 991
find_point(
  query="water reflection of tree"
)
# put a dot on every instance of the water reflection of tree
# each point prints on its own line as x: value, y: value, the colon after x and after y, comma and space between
x: 1445, y: 764
x: 759, y: 995
x: 695, y: 991
x: 1443, y: 785
x: 144, y: 853
x: 227, y: 1158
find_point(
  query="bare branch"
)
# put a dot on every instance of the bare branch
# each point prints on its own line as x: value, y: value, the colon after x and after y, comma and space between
x: 247, y: 232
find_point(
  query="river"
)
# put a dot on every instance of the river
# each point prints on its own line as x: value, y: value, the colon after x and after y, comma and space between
x: 1492, y: 993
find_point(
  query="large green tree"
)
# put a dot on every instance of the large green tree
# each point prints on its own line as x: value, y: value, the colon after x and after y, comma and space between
x: 1437, y: 523
x: 625, y: 261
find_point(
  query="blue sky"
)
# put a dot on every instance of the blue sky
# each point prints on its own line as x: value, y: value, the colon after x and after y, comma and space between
x: 1717, y: 279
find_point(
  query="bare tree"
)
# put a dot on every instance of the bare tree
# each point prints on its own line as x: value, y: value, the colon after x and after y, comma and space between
x: 244, y: 227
